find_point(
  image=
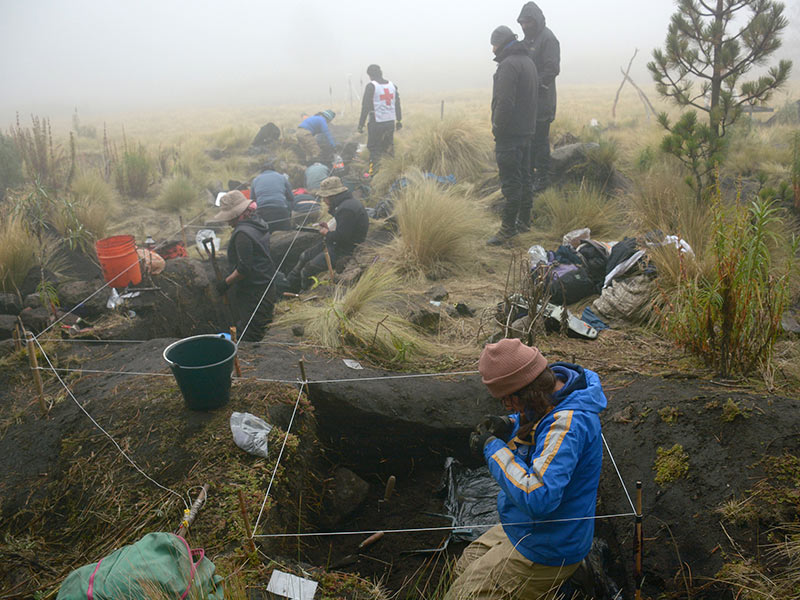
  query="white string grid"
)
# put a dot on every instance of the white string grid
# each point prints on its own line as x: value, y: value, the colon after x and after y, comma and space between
x: 108, y: 435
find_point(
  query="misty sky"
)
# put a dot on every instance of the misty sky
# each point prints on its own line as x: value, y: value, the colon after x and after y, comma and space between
x: 101, y: 54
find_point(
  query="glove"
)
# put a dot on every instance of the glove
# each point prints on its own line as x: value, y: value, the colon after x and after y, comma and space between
x: 221, y: 286
x: 398, y: 126
x: 477, y: 441
x: 360, y: 130
x: 498, y: 426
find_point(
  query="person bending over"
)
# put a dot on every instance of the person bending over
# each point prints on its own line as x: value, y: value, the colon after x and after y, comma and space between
x: 546, y: 456
x: 273, y: 196
x: 251, y: 264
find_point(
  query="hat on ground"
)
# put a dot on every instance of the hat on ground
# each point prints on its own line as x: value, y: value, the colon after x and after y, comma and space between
x: 232, y: 204
x: 330, y: 187
x: 509, y: 365
x: 328, y: 114
x: 502, y: 36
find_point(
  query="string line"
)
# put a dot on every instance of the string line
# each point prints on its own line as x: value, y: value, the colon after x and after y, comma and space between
x: 633, y: 508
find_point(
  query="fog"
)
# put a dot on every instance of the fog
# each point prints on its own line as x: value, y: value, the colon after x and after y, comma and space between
x: 100, y: 55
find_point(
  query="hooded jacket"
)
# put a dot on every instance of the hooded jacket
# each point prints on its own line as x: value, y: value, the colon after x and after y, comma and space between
x: 514, y: 93
x: 546, y: 53
x: 318, y: 125
x: 554, y: 474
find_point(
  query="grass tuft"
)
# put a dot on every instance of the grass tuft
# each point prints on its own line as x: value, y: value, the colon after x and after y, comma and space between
x: 454, y: 146
x: 437, y: 228
x: 94, y: 201
x: 16, y: 253
x: 574, y: 207
x: 179, y: 193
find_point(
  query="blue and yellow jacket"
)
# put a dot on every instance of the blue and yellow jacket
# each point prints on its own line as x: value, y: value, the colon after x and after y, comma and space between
x: 553, y: 475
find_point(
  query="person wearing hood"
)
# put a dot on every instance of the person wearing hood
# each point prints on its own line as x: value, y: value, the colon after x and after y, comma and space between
x: 546, y: 456
x: 546, y: 53
x: 252, y: 269
x: 273, y: 196
x: 381, y: 104
x: 314, y: 136
x: 513, y: 123
x: 352, y: 224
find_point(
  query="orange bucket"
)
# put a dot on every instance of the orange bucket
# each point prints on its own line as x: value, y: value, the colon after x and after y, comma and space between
x: 119, y: 260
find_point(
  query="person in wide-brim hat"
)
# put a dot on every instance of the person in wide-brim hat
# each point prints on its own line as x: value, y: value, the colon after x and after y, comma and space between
x: 331, y: 187
x: 232, y: 205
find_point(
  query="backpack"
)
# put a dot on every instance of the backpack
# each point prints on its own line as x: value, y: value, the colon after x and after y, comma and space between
x: 572, y: 286
x: 159, y: 563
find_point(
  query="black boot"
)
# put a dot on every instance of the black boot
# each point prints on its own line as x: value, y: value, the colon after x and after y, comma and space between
x: 502, y: 236
x: 523, y: 223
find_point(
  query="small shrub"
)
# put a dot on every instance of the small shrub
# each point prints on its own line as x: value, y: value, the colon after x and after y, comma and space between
x: 94, y: 200
x: 437, y: 227
x: 732, y: 317
x: 179, y: 193
x: 16, y: 253
x: 671, y: 464
x: 133, y: 172
x: 455, y: 146
x: 796, y: 169
x: 10, y: 165
x: 599, y: 166
x: 232, y: 139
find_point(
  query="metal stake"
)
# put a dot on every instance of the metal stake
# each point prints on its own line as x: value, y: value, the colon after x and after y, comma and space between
x: 639, y: 541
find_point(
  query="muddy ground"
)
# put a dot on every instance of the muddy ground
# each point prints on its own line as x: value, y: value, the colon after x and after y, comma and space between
x: 63, y: 481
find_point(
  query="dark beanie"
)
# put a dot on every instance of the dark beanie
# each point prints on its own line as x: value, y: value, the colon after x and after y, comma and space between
x: 374, y: 71
x: 502, y: 36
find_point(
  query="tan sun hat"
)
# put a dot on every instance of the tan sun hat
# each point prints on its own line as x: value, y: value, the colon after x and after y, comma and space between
x: 330, y: 187
x: 232, y: 204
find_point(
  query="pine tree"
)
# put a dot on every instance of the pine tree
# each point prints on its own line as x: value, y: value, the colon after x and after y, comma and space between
x: 703, y: 66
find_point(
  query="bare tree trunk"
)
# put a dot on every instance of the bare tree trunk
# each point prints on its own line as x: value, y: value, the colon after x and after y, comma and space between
x: 625, y: 77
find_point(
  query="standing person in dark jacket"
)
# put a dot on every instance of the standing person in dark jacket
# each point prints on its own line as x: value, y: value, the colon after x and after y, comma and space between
x: 546, y: 53
x: 546, y: 456
x: 381, y: 103
x: 252, y: 266
x: 273, y: 196
x: 513, y: 124
x: 352, y: 223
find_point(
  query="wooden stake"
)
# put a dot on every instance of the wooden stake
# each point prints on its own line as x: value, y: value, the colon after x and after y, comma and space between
x: 250, y: 545
x: 192, y: 514
x: 371, y: 540
x: 441, y: 116
x: 302, y: 363
x: 236, y: 366
x: 390, y: 483
x: 37, y: 377
x: 17, y: 338
x: 328, y: 260
x: 639, y: 541
x: 183, y: 233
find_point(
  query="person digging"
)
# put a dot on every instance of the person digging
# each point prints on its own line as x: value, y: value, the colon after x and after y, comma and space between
x: 352, y: 224
x: 546, y: 456
x: 252, y: 266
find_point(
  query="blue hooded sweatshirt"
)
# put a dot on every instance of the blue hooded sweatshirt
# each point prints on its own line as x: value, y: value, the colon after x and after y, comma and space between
x: 318, y: 125
x: 554, y: 474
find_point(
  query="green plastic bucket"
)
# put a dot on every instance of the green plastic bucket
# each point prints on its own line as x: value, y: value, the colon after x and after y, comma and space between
x: 202, y: 366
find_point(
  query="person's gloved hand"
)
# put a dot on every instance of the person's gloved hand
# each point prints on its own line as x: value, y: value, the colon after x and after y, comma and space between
x: 221, y: 286
x: 398, y: 126
x: 499, y: 426
x: 478, y: 439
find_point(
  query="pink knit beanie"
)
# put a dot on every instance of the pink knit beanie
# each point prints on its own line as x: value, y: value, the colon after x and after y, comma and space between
x: 509, y: 365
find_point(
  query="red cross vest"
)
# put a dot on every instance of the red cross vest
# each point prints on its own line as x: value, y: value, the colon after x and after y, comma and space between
x: 383, y: 101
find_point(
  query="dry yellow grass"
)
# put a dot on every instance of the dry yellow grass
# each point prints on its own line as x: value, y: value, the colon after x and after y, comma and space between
x: 16, y: 253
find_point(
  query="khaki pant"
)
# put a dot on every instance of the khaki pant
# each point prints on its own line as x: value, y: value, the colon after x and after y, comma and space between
x: 308, y: 143
x: 492, y: 569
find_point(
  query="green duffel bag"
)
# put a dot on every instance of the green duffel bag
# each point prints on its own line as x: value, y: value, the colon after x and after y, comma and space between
x: 160, y: 565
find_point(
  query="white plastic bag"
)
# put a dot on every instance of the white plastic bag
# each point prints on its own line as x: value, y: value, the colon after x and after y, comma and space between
x: 250, y: 433
x: 537, y: 254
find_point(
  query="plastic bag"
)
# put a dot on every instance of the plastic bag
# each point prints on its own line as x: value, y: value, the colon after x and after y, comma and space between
x: 537, y: 254
x: 250, y: 433
x: 205, y: 234
x: 471, y: 499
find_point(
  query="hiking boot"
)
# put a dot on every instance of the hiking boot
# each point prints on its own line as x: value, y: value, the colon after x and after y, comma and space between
x: 523, y: 226
x: 501, y: 237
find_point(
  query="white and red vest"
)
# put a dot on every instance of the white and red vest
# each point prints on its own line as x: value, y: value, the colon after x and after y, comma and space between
x: 383, y: 101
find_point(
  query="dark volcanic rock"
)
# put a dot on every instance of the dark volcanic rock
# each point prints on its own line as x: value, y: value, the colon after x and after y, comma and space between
x: 76, y: 296
x: 7, y: 323
x: 10, y: 304
x: 437, y: 292
x: 283, y: 243
x: 349, y: 492
x: 35, y: 319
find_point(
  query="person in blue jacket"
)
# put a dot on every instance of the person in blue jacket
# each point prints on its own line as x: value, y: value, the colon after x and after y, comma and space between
x: 546, y: 456
x: 273, y: 196
x: 315, y: 138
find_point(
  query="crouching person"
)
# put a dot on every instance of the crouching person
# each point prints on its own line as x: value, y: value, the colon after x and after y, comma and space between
x: 546, y: 456
x: 352, y: 224
x: 252, y: 267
